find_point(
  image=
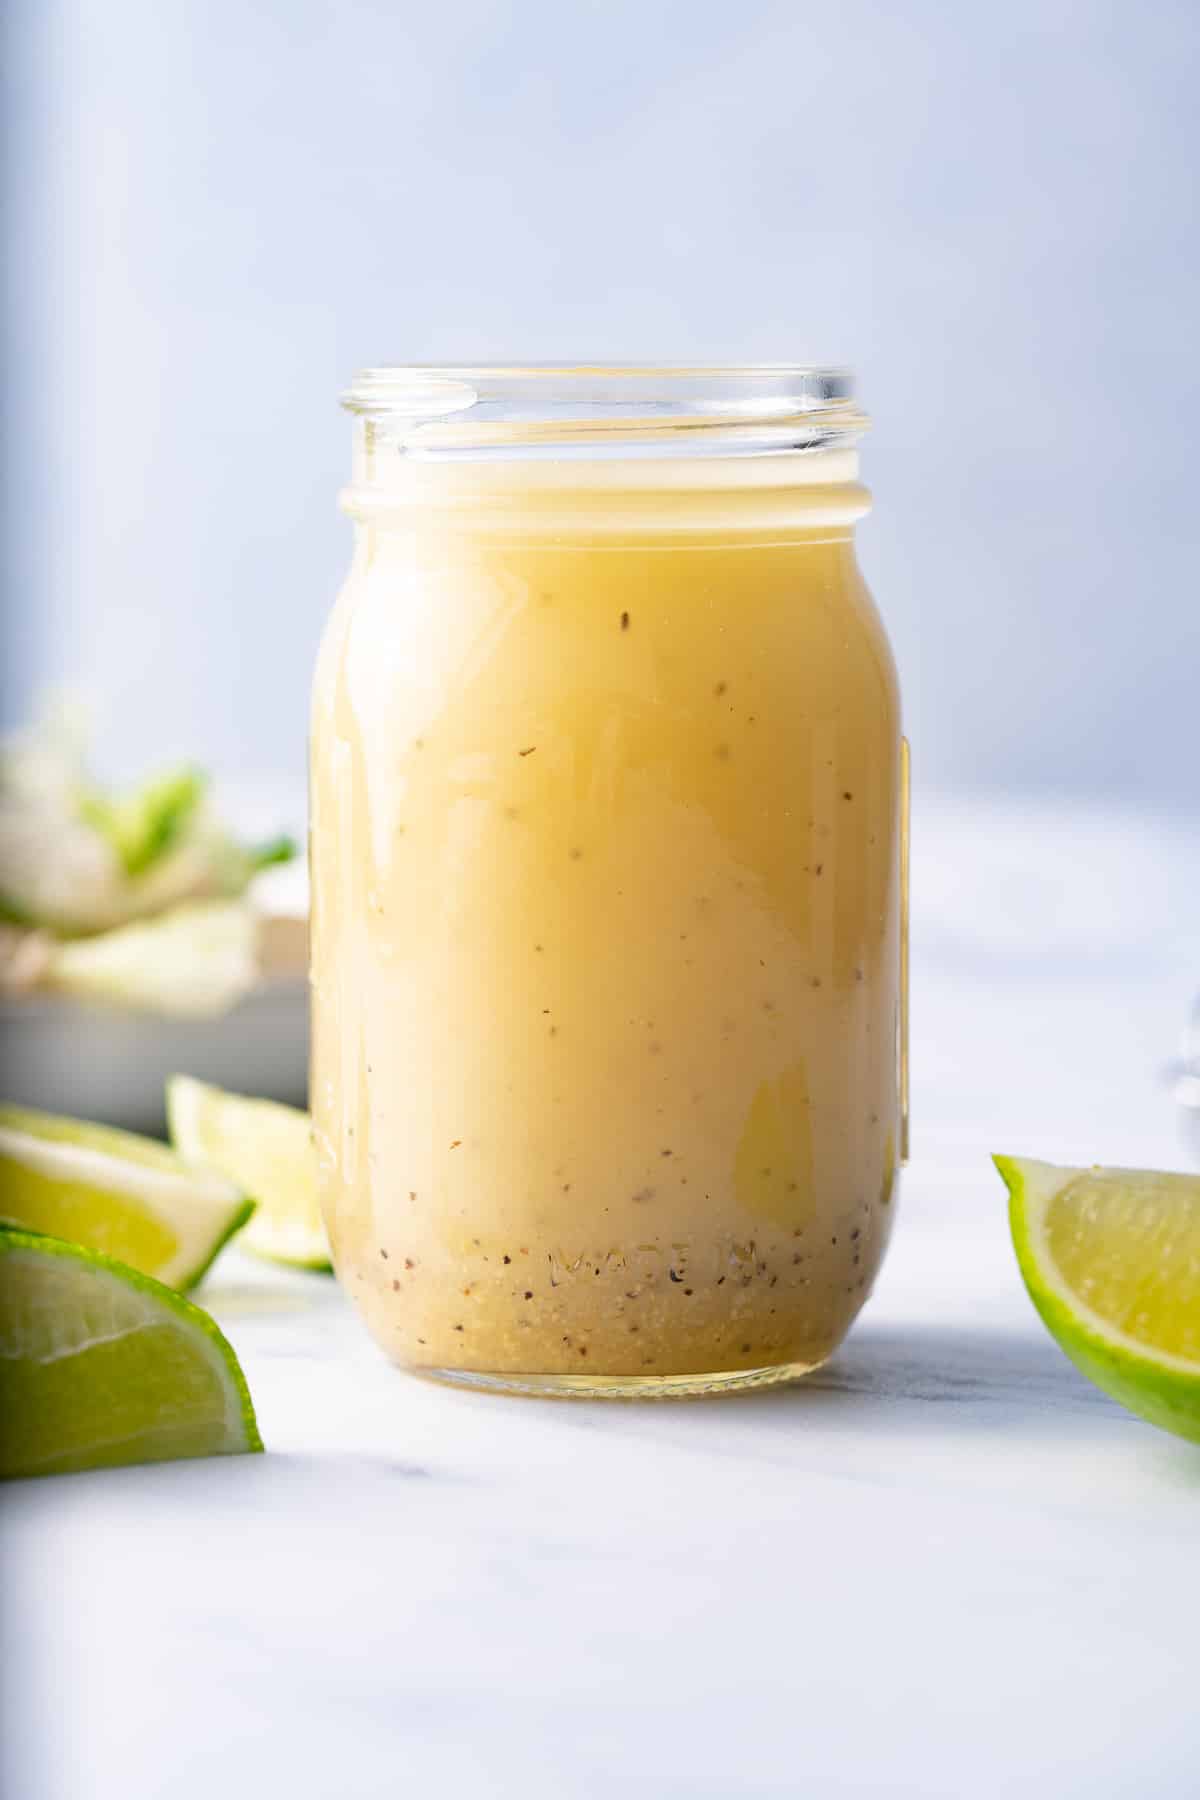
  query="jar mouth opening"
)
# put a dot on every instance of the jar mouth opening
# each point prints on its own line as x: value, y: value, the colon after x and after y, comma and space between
x: 531, y: 410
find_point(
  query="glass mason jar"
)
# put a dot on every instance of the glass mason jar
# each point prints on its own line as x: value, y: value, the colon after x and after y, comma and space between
x: 607, y: 813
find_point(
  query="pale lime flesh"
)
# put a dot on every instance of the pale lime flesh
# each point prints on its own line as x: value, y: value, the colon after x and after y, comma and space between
x: 1111, y: 1259
x: 267, y: 1150
x: 118, y: 1193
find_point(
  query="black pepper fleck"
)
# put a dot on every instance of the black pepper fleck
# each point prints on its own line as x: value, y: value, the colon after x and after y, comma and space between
x: 624, y: 621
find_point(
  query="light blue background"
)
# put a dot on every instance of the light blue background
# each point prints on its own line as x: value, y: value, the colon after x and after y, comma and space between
x: 220, y: 209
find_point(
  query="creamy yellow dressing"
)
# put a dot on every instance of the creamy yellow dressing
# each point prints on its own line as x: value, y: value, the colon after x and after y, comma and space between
x: 605, y: 850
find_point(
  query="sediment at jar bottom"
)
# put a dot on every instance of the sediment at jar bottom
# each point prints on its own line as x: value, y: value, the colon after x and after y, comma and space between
x: 650, y: 1310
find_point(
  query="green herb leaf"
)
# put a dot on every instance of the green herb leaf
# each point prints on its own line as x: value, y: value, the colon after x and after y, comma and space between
x: 143, y: 826
x: 275, y: 850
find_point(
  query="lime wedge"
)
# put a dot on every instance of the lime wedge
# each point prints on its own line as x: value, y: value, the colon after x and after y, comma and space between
x: 100, y: 1365
x: 267, y: 1150
x: 193, y: 961
x: 117, y: 1193
x: 1111, y: 1258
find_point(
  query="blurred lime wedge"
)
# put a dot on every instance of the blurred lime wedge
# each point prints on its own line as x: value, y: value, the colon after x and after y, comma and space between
x: 267, y: 1150
x: 194, y: 961
x: 1111, y: 1258
x: 117, y: 1193
x: 100, y: 1365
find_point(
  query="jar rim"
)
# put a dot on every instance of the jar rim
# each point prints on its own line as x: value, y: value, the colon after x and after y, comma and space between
x: 537, y: 409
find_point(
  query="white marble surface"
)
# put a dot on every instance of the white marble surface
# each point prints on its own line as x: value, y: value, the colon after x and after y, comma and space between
x: 945, y: 1566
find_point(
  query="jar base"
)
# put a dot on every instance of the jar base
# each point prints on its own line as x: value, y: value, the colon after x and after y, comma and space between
x: 624, y: 1387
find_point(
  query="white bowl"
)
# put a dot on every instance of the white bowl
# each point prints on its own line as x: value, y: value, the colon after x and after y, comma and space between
x: 98, y: 1062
